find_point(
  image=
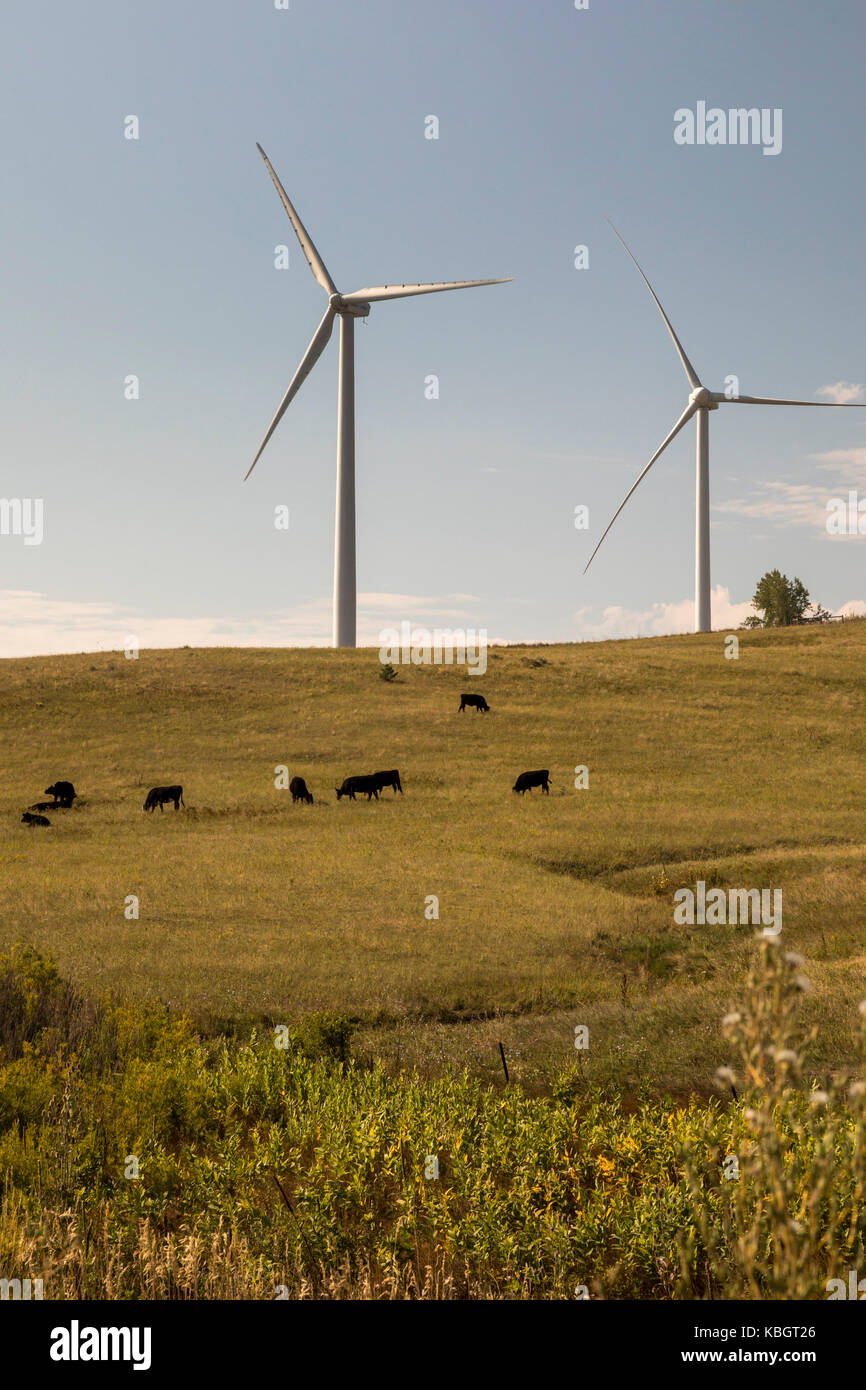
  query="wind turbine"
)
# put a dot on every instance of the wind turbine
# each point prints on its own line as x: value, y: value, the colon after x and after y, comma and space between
x: 701, y: 401
x: 349, y: 307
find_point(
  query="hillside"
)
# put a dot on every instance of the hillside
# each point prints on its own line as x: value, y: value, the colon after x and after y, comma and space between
x: 553, y: 911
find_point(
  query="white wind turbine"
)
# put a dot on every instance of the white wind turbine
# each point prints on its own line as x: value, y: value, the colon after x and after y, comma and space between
x: 701, y: 402
x: 349, y: 307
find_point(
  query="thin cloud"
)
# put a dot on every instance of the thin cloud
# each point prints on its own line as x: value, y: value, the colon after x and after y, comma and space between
x: 37, y: 624
x: 667, y: 619
x: 842, y: 392
x: 847, y: 465
x: 787, y: 504
x: 660, y: 619
x: 803, y: 504
x: 413, y: 606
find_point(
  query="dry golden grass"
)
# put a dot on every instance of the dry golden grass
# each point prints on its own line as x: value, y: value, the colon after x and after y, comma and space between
x: 553, y: 910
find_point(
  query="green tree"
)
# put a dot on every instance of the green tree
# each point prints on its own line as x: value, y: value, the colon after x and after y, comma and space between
x: 783, y: 602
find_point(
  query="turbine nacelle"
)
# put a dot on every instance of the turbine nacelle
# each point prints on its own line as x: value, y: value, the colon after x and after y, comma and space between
x: 703, y: 399
x: 356, y: 309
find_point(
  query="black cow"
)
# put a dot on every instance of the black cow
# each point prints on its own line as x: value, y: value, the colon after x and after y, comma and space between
x: 157, y: 796
x: 63, y: 793
x: 388, y: 779
x: 472, y: 702
x: 29, y: 819
x: 300, y: 791
x: 527, y: 780
x: 351, y: 785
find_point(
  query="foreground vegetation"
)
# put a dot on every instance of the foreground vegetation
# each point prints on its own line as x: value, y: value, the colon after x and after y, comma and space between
x: 553, y: 911
x: 155, y: 1141
x: 141, y: 1161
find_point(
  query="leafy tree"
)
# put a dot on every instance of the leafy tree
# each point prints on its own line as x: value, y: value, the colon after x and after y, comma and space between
x: 783, y: 602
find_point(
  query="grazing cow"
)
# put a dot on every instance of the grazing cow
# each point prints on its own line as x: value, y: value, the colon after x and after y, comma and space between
x: 29, y: 819
x: 300, y: 791
x: 157, y: 796
x: 527, y: 780
x: 351, y: 785
x: 472, y: 702
x: 63, y: 793
x: 389, y: 779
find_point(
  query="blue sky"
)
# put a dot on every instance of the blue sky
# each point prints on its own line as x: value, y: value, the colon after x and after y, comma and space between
x: 155, y: 257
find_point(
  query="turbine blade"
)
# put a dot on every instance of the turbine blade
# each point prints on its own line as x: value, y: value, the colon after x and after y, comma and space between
x: 773, y: 400
x: 317, y: 265
x: 687, y: 414
x: 690, y: 372
x: 379, y: 292
x: 308, y: 362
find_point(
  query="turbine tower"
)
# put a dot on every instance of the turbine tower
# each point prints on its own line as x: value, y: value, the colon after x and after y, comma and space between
x: 349, y: 307
x: 701, y: 401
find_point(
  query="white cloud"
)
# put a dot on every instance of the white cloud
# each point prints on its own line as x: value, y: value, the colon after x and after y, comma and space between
x: 787, y: 504
x: 848, y: 466
x: 35, y: 624
x: 665, y: 619
x: 842, y: 392
x: 661, y: 619
x: 803, y: 504
x: 411, y: 605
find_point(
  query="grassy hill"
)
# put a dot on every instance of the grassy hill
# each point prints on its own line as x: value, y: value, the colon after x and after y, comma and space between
x: 553, y: 911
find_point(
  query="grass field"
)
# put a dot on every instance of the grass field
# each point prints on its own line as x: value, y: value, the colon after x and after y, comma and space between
x: 553, y: 911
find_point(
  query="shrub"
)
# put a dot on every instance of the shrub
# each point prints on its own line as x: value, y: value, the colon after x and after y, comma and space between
x: 324, y: 1035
